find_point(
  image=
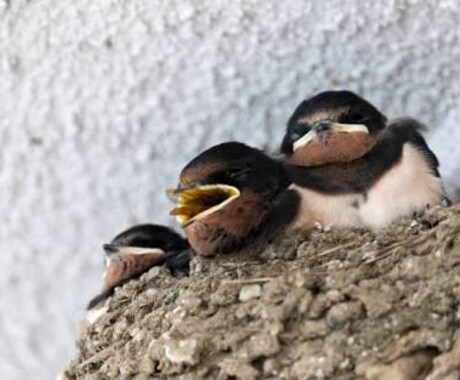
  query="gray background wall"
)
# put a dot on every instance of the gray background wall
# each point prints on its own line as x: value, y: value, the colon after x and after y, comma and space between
x: 102, y: 102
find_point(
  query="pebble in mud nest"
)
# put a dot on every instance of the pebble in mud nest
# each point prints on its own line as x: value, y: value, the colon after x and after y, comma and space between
x: 248, y: 292
x: 185, y: 351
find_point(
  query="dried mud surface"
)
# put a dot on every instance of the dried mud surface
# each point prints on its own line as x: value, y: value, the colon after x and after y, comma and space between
x: 329, y: 304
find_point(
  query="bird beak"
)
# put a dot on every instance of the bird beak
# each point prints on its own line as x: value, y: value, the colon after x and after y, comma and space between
x: 349, y: 128
x: 329, y: 127
x: 113, y: 249
x: 195, y: 203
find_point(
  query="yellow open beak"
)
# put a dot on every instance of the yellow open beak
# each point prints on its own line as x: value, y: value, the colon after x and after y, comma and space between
x: 195, y: 203
x: 313, y: 134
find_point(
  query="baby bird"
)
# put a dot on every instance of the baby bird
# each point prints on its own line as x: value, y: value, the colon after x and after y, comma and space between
x: 343, y: 156
x: 136, y: 250
x: 231, y: 197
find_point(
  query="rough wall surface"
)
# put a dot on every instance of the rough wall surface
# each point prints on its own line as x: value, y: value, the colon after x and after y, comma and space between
x: 103, y: 101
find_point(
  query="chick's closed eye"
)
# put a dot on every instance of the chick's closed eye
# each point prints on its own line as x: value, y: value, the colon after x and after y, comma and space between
x: 239, y: 172
x: 355, y: 117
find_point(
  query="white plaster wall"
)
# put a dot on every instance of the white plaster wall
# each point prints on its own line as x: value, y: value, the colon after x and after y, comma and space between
x: 102, y: 102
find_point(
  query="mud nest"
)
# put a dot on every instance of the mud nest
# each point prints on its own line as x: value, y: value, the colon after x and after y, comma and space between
x: 328, y: 304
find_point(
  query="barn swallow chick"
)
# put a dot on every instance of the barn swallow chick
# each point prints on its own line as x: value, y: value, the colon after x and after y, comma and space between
x: 341, y: 152
x: 331, y: 127
x: 232, y: 196
x: 136, y: 250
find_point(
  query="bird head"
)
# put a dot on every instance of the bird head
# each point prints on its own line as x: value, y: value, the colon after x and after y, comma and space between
x: 224, y: 195
x: 333, y: 126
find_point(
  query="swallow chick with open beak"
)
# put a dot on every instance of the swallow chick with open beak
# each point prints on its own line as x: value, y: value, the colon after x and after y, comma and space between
x: 340, y: 152
x: 136, y: 250
x: 230, y: 197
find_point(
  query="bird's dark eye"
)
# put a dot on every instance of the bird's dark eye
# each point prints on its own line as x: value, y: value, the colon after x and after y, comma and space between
x: 356, y: 117
x: 298, y: 131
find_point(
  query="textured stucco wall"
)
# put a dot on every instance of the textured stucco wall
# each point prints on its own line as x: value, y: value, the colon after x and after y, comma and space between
x: 101, y: 102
